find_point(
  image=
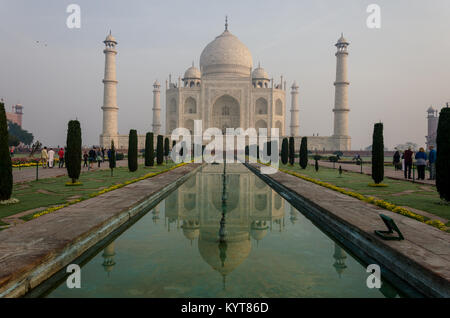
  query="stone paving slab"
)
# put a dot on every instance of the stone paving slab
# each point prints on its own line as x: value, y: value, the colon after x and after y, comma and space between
x: 425, y: 250
x: 28, y: 246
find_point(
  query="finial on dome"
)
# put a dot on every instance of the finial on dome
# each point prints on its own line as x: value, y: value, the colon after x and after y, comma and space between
x: 226, y: 23
x: 192, y: 63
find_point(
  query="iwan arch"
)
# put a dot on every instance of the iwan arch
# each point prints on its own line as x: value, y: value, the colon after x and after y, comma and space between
x: 226, y: 92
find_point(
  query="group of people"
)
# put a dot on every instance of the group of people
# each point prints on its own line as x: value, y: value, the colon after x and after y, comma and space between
x: 48, y: 157
x: 94, y: 155
x: 404, y: 161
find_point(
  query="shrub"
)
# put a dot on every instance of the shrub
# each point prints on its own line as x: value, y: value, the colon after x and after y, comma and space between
x: 378, y: 154
x: 73, y: 152
x: 149, y: 150
x: 160, y: 150
x: 443, y: 155
x: 304, y: 153
x: 284, y: 151
x: 166, y: 147
x: 120, y: 156
x: 132, y: 151
x: 291, y: 150
x: 6, y: 177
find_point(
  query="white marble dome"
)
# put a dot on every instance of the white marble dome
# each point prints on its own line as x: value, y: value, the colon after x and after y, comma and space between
x: 192, y: 73
x: 226, y: 55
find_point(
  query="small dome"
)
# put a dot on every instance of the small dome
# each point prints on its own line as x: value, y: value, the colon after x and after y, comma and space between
x: 110, y: 38
x: 342, y: 40
x: 431, y: 110
x: 260, y: 73
x: 192, y: 73
x: 156, y: 83
x: 294, y: 85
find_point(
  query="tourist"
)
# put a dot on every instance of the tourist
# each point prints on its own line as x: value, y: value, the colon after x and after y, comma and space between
x: 432, y: 163
x: 85, y: 158
x: 51, y: 158
x: 99, y: 157
x: 61, y: 157
x: 103, y: 154
x: 396, y: 161
x: 44, y: 157
x: 92, y: 155
x: 421, y: 162
x: 407, y: 156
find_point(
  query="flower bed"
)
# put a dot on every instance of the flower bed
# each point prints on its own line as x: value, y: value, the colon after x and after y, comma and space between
x: 28, y: 162
x: 111, y: 188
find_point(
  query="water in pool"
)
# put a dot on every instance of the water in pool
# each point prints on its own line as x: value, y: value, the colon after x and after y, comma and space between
x: 269, y: 249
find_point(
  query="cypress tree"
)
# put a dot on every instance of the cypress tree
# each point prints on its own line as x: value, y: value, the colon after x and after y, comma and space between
x: 291, y: 151
x: 6, y: 177
x: 304, y: 153
x: 284, y: 151
x: 443, y: 155
x: 160, y: 150
x: 73, y: 152
x: 316, y: 164
x: 149, y: 150
x: 378, y: 154
x: 112, y: 158
x: 132, y: 151
x: 166, y: 148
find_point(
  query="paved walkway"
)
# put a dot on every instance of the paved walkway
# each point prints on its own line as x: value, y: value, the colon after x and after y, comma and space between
x: 33, y: 251
x: 29, y: 174
x: 367, y: 169
x: 424, y: 254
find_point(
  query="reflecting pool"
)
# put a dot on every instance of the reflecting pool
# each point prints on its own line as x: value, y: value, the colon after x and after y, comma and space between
x: 267, y: 248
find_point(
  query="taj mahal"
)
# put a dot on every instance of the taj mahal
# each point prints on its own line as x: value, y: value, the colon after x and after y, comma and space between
x: 226, y: 91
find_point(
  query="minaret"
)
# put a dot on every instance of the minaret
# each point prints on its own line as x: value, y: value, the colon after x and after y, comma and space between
x: 295, y: 128
x: 110, y: 108
x: 341, y: 108
x: 156, y: 108
x: 433, y: 120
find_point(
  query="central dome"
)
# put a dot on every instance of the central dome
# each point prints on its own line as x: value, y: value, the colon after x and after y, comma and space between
x: 226, y: 55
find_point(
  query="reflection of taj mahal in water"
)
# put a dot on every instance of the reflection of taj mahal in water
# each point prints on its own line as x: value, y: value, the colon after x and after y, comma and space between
x: 227, y: 92
x: 253, y: 211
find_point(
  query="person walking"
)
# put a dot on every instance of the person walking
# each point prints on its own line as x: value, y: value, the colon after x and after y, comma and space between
x: 51, y: 158
x: 99, y: 157
x: 44, y: 157
x: 103, y: 154
x: 61, y: 157
x: 408, y: 157
x: 421, y: 162
x: 92, y: 155
x: 85, y: 158
x: 396, y: 161
x: 432, y: 163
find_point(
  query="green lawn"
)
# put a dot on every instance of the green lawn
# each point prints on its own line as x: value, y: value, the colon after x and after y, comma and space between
x: 52, y: 191
x: 402, y: 193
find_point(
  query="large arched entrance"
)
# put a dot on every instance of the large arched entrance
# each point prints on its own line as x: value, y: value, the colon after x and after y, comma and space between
x: 226, y: 113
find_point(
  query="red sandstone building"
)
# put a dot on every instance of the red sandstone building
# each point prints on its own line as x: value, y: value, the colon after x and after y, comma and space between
x: 16, y: 115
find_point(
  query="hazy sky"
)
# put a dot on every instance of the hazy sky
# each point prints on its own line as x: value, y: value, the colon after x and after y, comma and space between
x: 396, y: 72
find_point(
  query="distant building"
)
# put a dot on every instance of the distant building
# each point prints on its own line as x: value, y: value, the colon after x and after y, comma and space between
x: 433, y: 119
x: 15, y: 115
